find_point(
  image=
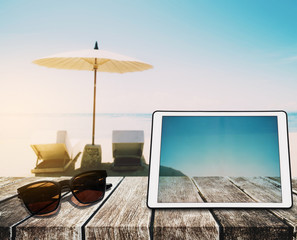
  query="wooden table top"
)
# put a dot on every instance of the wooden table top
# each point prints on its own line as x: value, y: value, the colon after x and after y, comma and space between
x: 123, y: 214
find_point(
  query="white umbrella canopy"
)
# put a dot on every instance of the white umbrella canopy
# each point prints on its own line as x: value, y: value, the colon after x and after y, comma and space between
x: 93, y: 60
x: 101, y: 60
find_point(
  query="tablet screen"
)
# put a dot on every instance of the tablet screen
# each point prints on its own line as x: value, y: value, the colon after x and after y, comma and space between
x: 204, y: 154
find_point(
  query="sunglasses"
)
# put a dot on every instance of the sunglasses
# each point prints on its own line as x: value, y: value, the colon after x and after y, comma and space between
x: 43, y: 197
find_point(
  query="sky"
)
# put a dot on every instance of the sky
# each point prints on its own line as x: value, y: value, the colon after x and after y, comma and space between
x: 207, y: 55
x: 221, y: 146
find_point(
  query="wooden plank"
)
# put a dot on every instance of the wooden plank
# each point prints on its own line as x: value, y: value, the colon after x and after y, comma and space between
x: 259, y: 188
x: 5, y: 182
x: 8, y: 180
x: 263, y: 191
x: 10, y: 188
x: 293, y: 181
x: 241, y: 223
x: 12, y: 211
x: 276, y: 179
x: 66, y: 223
x: 177, y: 189
x: 220, y: 189
x: 182, y: 223
x: 294, y: 185
x: 125, y: 214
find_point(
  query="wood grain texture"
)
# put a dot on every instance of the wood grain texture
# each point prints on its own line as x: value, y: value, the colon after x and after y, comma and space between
x: 177, y: 189
x: 182, y: 223
x: 120, y: 223
x: 241, y: 223
x: 259, y: 188
x: 288, y: 215
x: 220, y: 189
x: 185, y: 224
x: 9, y: 189
x: 294, y: 185
x: 66, y: 223
x: 263, y: 190
x: 276, y: 179
x: 252, y: 224
x: 8, y: 180
x: 12, y: 211
x: 125, y: 214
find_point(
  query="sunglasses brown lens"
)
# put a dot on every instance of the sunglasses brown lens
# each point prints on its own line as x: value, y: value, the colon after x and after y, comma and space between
x: 89, y: 187
x: 41, y: 197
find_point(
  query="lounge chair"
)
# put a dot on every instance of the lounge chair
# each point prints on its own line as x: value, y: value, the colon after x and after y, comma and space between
x: 127, y: 148
x: 57, y: 157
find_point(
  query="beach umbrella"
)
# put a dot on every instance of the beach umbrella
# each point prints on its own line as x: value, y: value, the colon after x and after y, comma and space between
x: 96, y: 60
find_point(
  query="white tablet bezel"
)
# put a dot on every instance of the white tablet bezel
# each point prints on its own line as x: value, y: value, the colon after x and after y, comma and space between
x: 285, y: 175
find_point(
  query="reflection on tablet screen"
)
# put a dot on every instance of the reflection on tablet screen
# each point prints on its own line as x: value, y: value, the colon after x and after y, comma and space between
x: 215, y: 153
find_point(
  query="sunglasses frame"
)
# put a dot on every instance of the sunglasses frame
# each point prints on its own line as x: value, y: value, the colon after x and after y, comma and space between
x: 63, y: 186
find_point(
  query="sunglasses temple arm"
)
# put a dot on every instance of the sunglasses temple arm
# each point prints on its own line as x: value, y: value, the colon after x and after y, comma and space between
x: 108, y: 186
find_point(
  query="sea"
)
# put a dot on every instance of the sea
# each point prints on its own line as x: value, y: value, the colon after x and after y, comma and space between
x: 19, y: 131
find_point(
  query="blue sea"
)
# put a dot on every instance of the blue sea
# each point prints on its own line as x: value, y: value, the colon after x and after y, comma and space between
x: 292, y: 121
x: 18, y: 131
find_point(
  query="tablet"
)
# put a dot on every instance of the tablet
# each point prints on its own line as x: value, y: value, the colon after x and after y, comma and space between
x: 219, y: 160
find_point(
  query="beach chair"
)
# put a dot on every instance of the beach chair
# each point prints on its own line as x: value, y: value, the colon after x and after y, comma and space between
x: 127, y: 148
x: 57, y: 157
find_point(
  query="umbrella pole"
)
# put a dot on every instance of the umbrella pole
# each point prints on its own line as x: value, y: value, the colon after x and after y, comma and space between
x: 94, y: 108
